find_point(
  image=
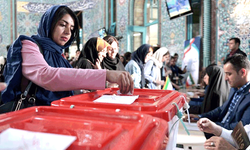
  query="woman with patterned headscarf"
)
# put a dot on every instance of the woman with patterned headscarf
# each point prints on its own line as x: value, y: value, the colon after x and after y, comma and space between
x: 92, y: 54
x: 153, y: 67
x: 136, y: 65
x: 39, y: 59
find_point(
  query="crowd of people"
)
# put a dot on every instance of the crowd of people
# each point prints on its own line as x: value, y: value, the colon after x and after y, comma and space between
x: 98, y: 65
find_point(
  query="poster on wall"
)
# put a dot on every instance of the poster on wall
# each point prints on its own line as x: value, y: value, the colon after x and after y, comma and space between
x: 191, y: 59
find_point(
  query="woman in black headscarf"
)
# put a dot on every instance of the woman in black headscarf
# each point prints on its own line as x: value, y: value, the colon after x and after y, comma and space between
x: 217, y: 90
x: 92, y: 54
x: 136, y: 65
x: 112, y: 60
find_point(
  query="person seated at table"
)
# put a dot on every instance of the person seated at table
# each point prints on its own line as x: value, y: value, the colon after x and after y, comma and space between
x: 216, y: 92
x: 237, y: 107
x: 176, y: 71
x: 222, y: 139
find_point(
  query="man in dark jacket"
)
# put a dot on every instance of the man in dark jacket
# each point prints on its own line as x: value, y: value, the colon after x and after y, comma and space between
x: 237, y: 107
x: 234, y: 44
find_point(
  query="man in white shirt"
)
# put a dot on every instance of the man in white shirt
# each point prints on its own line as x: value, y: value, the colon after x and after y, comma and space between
x: 222, y: 139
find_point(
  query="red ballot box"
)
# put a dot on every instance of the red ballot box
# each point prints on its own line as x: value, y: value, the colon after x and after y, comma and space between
x: 158, y: 103
x: 94, y: 129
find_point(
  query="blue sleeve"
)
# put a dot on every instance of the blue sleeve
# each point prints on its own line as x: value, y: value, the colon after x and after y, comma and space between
x: 135, y: 73
x: 244, y: 118
x: 213, y: 114
x: 148, y: 71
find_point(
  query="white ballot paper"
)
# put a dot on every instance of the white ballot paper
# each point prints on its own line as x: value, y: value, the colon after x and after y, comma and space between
x: 192, y: 126
x: 28, y: 140
x: 116, y: 99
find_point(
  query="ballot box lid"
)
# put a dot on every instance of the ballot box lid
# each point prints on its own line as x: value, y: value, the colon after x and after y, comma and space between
x: 158, y: 103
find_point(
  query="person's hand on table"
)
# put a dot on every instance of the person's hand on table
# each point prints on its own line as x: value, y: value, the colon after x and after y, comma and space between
x: 193, y: 118
x: 218, y: 143
x: 208, y: 126
x: 2, y: 86
x: 122, y: 78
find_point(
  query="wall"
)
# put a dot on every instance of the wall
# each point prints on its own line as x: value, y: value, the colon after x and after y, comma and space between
x: 93, y: 19
x: 27, y: 19
x: 173, y: 32
x: 233, y: 21
x: 122, y: 23
x: 5, y: 26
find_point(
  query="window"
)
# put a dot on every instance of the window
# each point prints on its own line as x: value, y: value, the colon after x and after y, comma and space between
x: 143, y: 26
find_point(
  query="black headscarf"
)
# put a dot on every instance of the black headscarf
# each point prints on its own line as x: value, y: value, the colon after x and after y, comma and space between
x: 88, y: 55
x: 139, y: 57
x: 218, y: 89
x: 113, y: 64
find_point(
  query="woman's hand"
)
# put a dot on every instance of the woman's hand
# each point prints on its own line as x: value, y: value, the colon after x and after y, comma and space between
x: 122, y: 78
x: 97, y: 64
x: 160, y: 82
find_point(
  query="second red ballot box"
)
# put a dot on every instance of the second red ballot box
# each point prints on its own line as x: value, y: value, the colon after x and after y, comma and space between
x: 158, y: 103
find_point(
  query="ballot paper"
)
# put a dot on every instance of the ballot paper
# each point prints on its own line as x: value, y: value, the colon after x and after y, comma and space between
x: 28, y: 140
x: 115, y: 99
x: 191, y: 94
x: 191, y: 126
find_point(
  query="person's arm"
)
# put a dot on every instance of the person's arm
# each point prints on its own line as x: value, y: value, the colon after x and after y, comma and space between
x: 244, y: 118
x: 147, y: 71
x: 226, y: 134
x: 175, y: 86
x: 206, y: 125
x: 36, y: 69
x: 135, y: 73
x: 181, y: 71
x: 218, y: 143
x: 213, y: 114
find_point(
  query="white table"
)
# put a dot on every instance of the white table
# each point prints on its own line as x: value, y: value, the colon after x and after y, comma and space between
x: 195, y: 140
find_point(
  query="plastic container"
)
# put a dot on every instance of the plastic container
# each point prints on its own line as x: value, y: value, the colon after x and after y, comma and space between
x: 157, y: 103
x: 94, y: 129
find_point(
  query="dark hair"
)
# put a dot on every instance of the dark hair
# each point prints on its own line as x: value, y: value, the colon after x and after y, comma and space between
x: 127, y: 55
x: 176, y: 54
x: 238, y: 61
x: 60, y: 12
x: 236, y: 40
x: 172, y: 57
x: 7, y: 47
x: 167, y: 53
x: 110, y: 39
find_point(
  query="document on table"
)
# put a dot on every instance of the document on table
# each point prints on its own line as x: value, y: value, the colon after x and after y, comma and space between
x: 115, y: 99
x: 191, y: 126
x: 23, y: 139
